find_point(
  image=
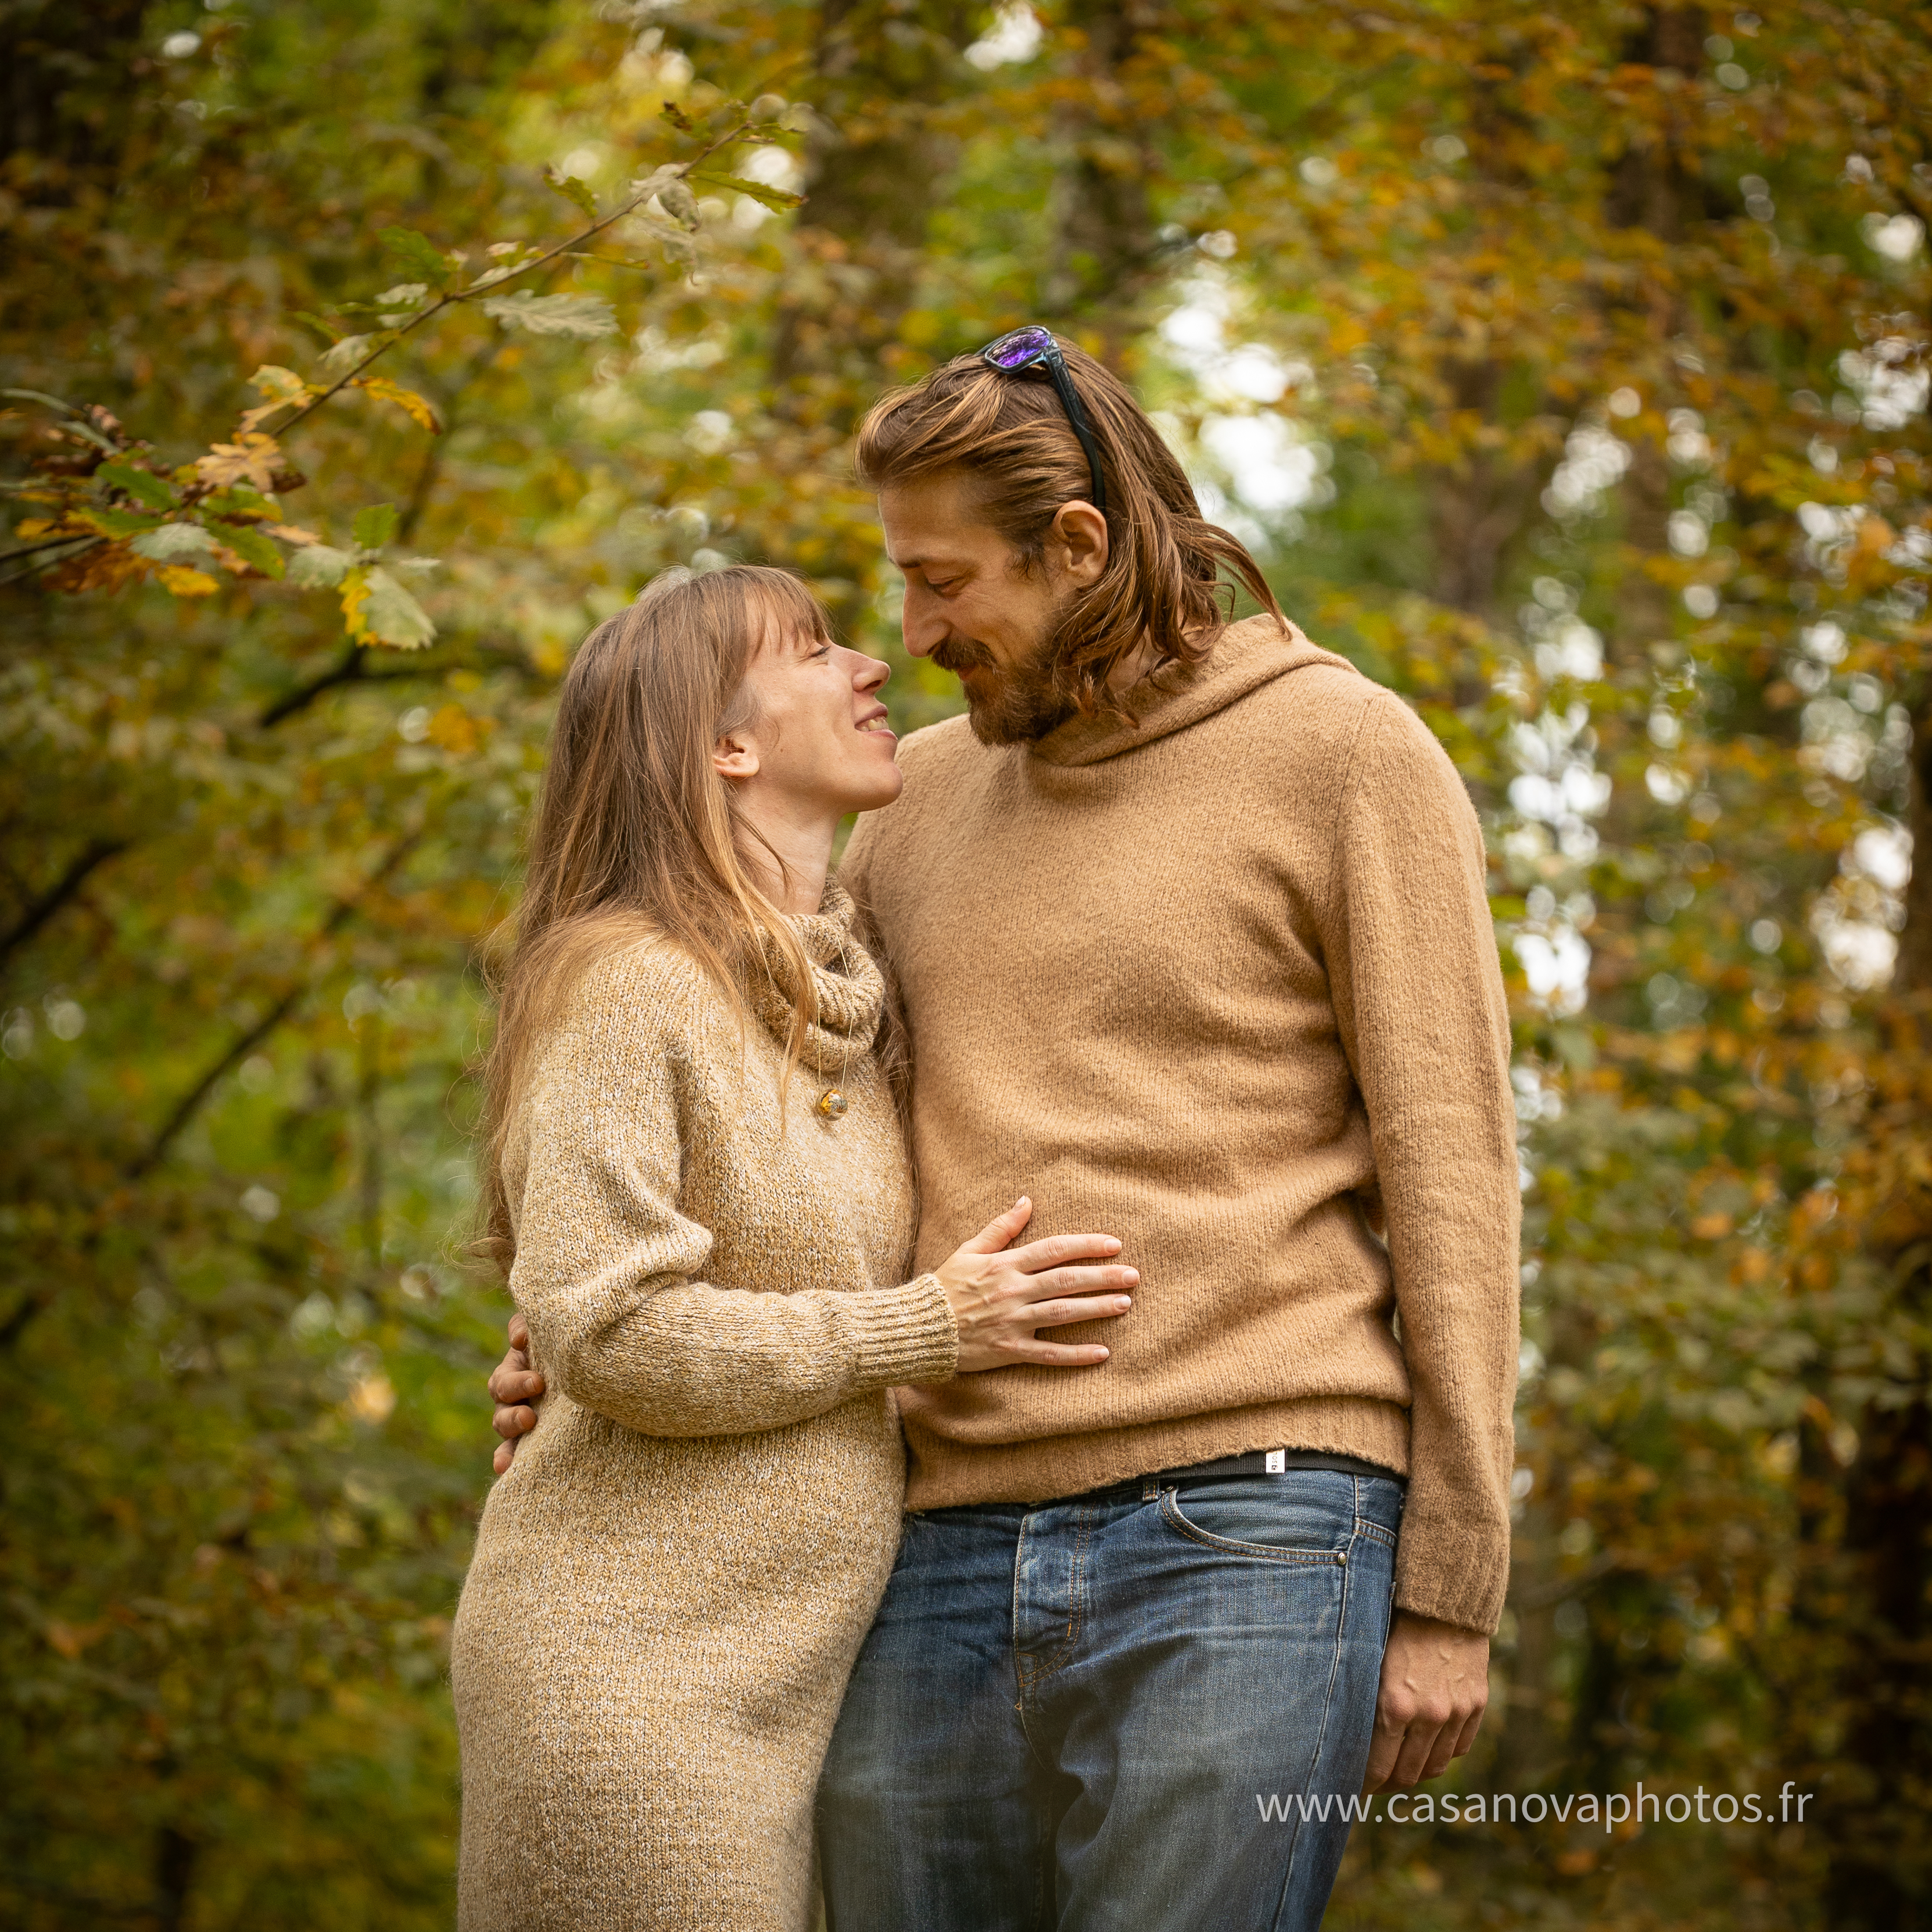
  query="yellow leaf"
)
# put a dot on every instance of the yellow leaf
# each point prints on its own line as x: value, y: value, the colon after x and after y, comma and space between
x: 420, y: 409
x: 184, y: 580
x: 250, y: 458
x: 292, y: 533
x: 35, y: 526
x: 355, y: 595
x: 279, y: 388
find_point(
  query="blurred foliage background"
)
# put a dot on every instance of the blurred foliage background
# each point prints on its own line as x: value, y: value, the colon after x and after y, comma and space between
x: 1569, y: 368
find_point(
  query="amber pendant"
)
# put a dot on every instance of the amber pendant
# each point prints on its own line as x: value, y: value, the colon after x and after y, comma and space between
x: 832, y: 1105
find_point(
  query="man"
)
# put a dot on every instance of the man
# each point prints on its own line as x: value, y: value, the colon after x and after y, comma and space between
x: 1188, y: 927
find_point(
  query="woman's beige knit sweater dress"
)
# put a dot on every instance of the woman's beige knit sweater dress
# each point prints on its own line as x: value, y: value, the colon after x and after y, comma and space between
x: 672, y: 1583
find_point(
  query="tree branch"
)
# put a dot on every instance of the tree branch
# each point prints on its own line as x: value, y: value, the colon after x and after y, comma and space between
x: 245, y: 1043
x: 97, y: 853
x: 348, y: 671
x: 29, y: 1306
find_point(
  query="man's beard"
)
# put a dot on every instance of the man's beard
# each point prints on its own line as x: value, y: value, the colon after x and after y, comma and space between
x: 1007, y: 706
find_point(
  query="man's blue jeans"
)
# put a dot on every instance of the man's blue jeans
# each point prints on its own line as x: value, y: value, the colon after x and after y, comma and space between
x: 1091, y: 1715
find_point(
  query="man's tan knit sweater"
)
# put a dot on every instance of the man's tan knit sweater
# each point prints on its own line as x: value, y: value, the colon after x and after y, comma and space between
x: 1223, y: 983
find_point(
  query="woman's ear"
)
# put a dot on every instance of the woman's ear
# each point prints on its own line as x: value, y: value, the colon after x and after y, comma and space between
x: 734, y: 756
x: 1080, y: 537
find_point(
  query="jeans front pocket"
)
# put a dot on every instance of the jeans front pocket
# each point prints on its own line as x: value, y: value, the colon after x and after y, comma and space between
x: 1303, y: 1517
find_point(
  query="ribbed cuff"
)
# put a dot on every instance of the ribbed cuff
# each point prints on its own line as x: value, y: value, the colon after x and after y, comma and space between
x: 1459, y: 1578
x: 907, y: 1334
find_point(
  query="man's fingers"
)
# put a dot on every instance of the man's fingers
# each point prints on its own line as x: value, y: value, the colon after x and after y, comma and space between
x: 1384, y: 1747
x: 1472, y: 1725
x: 1059, y: 1314
x: 510, y: 1422
x: 506, y: 1454
x: 513, y: 1385
x: 519, y: 1332
x: 1418, y: 1746
x: 999, y: 1231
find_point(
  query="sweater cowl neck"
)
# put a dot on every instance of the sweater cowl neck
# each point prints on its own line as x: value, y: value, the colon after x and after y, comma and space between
x: 1246, y: 656
x: 850, y: 990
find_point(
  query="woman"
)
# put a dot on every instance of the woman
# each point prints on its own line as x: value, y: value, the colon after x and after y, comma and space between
x: 695, y: 1178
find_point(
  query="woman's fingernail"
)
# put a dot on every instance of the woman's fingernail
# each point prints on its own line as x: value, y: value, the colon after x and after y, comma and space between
x: 1127, y: 1301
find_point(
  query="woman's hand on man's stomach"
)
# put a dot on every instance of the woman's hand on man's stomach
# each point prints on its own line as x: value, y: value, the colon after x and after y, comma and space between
x: 1002, y: 1296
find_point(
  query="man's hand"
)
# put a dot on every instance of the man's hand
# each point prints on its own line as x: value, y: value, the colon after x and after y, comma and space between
x: 516, y: 1388
x: 1435, y: 1688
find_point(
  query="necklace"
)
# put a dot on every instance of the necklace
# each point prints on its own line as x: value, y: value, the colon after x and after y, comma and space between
x: 831, y: 1104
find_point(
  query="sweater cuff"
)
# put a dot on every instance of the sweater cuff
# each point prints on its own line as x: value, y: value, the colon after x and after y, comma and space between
x: 907, y: 1334
x: 1458, y: 1576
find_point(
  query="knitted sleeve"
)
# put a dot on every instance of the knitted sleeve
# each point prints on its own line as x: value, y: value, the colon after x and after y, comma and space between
x: 1418, y: 992
x: 609, y: 1270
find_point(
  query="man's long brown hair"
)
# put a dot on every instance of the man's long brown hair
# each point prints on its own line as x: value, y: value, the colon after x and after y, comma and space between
x: 635, y: 835
x: 1163, y: 586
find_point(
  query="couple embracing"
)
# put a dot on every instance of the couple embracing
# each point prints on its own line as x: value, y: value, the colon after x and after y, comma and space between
x: 1026, y: 1328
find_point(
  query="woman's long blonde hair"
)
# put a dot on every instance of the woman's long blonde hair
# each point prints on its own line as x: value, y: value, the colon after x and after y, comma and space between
x: 634, y: 833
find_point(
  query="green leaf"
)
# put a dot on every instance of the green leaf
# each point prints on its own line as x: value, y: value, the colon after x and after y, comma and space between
x: 173, y: 543
x: 343, y: 356
x: 377, y: 525
x: 420, y: 256
x: 321, y: 324
x: 252, y: 548
x: 573, y: 190
x: 391, y: 616
x: 776, y: 198
x: 580, y: 318
x: 112, y: 523
x: 241, y: 502
x: 319, y: 566
x: 678, y: 202
x: 143, y: 485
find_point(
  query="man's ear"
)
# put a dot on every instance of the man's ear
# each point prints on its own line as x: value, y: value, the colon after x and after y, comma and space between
x: 1079, y: 536
x: 734, y: 756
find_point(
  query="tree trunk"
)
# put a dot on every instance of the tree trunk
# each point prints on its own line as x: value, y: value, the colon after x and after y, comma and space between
x: 1104, y: 255
x: 875, y: 166
x: 1881, y: 1865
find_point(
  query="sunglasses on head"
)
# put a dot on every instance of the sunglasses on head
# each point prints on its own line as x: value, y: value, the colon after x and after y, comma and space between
x: 1033, y: 344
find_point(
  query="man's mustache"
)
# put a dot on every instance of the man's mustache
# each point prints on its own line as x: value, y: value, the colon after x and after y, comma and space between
x: 961, y: 654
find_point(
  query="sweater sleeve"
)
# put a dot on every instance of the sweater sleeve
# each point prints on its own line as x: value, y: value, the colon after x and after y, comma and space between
x: 1418, y: 992
x: 609, y: 1268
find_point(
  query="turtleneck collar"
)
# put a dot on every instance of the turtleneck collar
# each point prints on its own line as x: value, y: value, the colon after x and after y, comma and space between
x: 847, y: 983
x: 1246, y: 655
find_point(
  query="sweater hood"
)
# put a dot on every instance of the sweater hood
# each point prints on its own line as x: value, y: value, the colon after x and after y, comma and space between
x: 1246, y: 656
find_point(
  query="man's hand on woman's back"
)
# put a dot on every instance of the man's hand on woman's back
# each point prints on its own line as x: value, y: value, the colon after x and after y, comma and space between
x: 516, y: 1388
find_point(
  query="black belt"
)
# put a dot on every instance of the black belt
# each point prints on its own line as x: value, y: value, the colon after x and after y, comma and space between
x: 1269, y: 1462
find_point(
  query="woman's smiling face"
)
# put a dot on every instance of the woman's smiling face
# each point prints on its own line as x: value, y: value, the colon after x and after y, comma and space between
x: 816, y: 741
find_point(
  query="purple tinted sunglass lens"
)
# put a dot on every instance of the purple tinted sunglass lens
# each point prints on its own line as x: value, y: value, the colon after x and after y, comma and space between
x: 1016, y: 350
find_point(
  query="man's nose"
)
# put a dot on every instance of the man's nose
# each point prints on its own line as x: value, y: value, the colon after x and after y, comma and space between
x: 921, y: 627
